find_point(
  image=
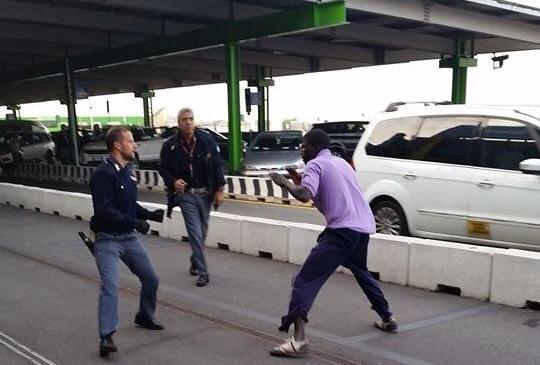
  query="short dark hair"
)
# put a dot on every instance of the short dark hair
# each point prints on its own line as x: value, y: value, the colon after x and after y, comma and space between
x: 317, y: 138
x: 114, y: 135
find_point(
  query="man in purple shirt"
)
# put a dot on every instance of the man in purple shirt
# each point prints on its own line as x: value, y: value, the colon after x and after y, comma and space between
x: 330, y: 182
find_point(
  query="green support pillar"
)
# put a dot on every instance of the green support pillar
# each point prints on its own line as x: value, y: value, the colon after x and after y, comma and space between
x: 16, y: 109
x: 147, y: 96
x: 72, y: 115
x: 459, y: 62
x: 233, y: 96
x: 262, y: 102
x: 146, y: 109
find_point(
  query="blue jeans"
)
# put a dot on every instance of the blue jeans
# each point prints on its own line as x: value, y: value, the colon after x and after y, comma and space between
x: 196, y: 211
x: 335, y: 246
x: 109, y: 248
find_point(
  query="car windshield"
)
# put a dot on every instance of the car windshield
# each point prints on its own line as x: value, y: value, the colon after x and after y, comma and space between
x: 276, y: 142
x: 143, y: 134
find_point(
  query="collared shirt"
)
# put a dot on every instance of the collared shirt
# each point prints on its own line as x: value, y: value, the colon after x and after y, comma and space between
x: 202, y: 169
x: 196, y: 175
x: 114, y: 196
x: 336, y: 194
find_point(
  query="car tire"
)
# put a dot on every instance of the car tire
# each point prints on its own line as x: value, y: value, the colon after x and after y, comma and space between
x: 49, y: 157
x: 389, y: 218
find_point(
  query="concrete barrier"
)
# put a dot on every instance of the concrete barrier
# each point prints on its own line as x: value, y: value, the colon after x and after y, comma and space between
x: 68, y: 204
x: 516, y: 278
x: 454, y: 267
x: 302, y: 238
x: 225, y: 231
x: 176, y: 226
x: 10, y: 194
x: 21, y: 196
x: 504, y: 276
x: 161, y: 229
x: 5, y: 189
x: 389, y: 257
x: 265, y: 238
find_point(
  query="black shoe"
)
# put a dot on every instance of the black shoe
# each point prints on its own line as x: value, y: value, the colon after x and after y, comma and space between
x: 202, y: 280
x: 193, y: 270
x: 149, y: 324
x: 106, y: 346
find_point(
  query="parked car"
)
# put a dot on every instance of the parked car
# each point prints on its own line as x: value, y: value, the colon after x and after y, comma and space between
x: 344, y: 136
x: 23, y: 140
x: 273, y: 152
x: 455, y: 172
x: 149, y: 142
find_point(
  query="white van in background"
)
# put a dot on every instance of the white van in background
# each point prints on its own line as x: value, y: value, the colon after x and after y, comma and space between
x: 454, y: 172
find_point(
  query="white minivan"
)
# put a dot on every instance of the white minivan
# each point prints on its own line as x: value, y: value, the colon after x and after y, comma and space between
x: 454, y: 172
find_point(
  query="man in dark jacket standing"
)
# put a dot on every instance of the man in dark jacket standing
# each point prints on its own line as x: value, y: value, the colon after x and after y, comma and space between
x: 192, y: 170
x: 116, y: 215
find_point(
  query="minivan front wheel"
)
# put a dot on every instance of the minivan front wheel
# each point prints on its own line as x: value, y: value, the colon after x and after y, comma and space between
x: 389, y: 218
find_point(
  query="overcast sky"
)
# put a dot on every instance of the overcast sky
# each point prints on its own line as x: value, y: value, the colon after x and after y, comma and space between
x: 335, y: 95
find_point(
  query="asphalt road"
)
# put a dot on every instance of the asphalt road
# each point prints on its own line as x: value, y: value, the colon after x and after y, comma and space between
x: 48, y: 304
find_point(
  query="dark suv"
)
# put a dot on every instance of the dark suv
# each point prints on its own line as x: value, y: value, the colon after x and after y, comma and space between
x: 344, y: 136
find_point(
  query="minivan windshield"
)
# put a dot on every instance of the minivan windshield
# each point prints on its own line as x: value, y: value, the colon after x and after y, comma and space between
x: 276, y: 142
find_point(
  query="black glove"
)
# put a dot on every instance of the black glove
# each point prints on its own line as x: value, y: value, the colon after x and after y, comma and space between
x: 142, y: 226
x: 156, y: 215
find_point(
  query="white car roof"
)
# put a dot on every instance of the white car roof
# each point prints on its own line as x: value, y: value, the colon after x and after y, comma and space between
x: 463, y: 109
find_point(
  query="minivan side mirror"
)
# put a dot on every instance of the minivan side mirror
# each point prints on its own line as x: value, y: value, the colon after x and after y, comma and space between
x: 530, y: 166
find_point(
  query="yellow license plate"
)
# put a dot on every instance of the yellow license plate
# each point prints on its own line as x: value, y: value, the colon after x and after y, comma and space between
x: 477, y: 227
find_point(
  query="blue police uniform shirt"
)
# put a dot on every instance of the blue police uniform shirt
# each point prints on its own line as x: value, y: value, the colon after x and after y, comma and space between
x: 114, y: 196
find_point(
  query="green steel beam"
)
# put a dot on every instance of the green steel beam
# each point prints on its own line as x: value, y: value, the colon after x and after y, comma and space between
x: 261, y: 109
x: 233, y: 94
x: 459, y: 63
x: 146, y: 111
x: 70, y: 103
x: 313, y: 16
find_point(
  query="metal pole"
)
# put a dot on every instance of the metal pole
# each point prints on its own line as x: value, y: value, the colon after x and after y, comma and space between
x: 262, y: 101
x: 72, y: 115
x: 146, y: 111
x: 459, y: 75
x: 233, y: 94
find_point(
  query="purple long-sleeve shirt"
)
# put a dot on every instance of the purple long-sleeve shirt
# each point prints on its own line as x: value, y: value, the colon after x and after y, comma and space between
x: 336, y: 193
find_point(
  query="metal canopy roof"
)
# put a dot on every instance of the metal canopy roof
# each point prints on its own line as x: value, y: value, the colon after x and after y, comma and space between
x: 133, y: 45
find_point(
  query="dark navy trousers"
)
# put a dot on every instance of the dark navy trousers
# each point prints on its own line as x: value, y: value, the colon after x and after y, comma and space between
x: 335, y: 247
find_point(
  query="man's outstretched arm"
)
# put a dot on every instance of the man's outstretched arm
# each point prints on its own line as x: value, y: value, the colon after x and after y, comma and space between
x: 298, y: 191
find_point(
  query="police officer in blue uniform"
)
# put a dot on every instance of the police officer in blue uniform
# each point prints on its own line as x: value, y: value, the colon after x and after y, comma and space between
x: 192, y: 170
x: 116, y: 215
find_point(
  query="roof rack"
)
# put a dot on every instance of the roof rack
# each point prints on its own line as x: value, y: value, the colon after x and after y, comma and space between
x: 392, y: 107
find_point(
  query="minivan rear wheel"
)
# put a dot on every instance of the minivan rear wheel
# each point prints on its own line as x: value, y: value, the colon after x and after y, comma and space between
x: 389, y: 218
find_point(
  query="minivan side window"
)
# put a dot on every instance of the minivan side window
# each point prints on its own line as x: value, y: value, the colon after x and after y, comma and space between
x: 393, y: 137
x: 505, y: 143
x: 446, y: 139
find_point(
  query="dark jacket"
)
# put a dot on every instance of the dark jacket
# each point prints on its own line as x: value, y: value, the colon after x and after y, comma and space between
x: 174, y: 164
x: 114, y: 195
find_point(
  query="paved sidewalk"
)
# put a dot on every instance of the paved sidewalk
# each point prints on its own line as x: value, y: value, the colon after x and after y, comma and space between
x: 48, y: 304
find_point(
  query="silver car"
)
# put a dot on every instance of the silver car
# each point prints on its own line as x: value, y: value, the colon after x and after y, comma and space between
x: 25, y: 141
x: 273, y: 152
x: 149, y: 145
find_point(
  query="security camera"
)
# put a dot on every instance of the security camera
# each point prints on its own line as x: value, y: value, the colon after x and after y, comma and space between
x: 498, y: 61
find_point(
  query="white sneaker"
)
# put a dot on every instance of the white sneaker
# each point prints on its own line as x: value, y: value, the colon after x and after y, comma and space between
x: 290, y: 348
